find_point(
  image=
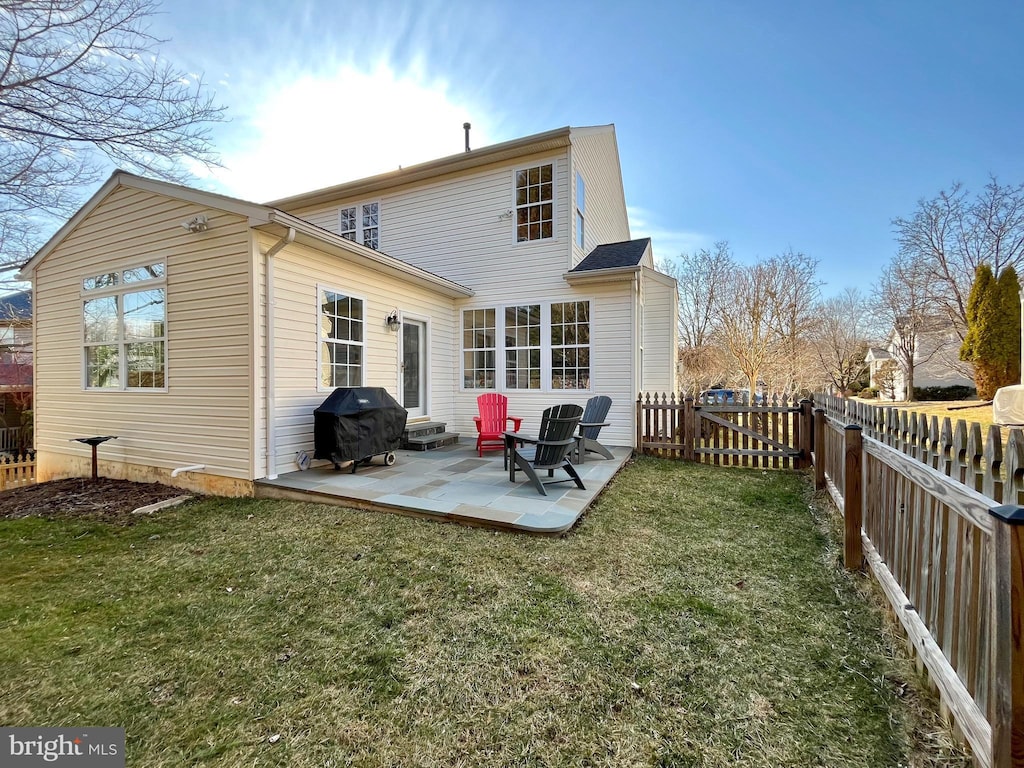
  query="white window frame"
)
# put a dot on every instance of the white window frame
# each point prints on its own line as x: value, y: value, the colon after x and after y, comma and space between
x: 581, y: 203
x: 358, y: 235
x: 363, y: 345
x: 516, y: 205
x: 500, y: 372
x: 494, y: 350
x: 519, y: 349
x: 117, y: 290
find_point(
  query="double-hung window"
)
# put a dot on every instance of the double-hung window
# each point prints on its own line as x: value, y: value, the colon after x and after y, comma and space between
x: 125, y: 329
x: 341, y: 340
x: 361, y: 223
x: 570, y: 345
x: 535, y: 205
x: 522, y: 347
x: 478, y: 348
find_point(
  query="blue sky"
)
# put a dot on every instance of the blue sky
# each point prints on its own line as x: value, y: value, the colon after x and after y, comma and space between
x: 773, y: 125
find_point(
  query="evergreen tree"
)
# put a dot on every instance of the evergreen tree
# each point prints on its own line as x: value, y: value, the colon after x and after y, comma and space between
x: 992, y: 343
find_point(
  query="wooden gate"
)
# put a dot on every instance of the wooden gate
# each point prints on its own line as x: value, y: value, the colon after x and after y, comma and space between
x: 772, y: 434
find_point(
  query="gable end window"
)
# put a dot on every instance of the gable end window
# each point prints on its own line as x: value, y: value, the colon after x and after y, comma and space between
x: 341, y: 340
x: 581, y: 206
x: 361, y: 224
x: 125, y: 330
x: 535, y: 209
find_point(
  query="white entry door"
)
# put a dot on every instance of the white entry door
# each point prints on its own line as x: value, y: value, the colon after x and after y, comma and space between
x: 414, y: 367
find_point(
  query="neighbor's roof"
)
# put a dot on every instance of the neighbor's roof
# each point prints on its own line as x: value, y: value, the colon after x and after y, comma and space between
x: 16, y: 306
x: 614, y: 255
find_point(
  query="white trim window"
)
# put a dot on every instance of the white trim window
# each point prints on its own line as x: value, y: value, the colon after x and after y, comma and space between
x: 581, y: 204
x: 522, y: 347
x: 341, y: 343
x: 361, y: 224
x: 535, y: 203
x: 124, y: 330
x: 570, y: 345
x: 479, y: 353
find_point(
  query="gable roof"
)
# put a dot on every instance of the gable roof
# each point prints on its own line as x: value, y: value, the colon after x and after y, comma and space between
x: 260, y: 217
x: 16, y: 306
x: 508, y: 150
x: 614, y: 255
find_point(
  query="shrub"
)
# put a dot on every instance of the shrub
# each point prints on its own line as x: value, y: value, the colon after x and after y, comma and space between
x: 868, y: 392
x: 955, y: 392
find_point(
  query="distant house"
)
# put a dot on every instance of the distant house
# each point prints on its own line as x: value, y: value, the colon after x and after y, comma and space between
x: 936, y: 359
x: 15, y: 367
x: 203, y: 330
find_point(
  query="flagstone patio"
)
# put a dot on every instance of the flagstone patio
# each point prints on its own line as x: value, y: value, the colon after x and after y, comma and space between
x: 452, y: 483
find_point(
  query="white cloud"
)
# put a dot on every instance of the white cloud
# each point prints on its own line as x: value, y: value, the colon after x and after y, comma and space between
x: 666, y: 243
x: 318, y: 130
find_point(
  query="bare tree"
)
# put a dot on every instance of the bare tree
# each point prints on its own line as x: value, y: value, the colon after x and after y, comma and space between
x: 762, y: 319
x: 702, y: 278
x: 840, y: 338
x: 904, y: 319
x: 81, y: 87
x: 950, y: 235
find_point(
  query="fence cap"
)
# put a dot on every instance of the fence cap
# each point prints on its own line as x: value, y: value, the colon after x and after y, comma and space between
x: 1009, y: 513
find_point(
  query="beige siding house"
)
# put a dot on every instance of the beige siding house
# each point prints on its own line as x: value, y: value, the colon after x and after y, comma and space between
x: 203, y: 330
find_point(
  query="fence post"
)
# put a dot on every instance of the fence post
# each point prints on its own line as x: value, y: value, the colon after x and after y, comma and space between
x: 689, y: 431
x: 819, y: 449
x: 853, y: 548
x: 1007, y: 633
x: 806, y: 434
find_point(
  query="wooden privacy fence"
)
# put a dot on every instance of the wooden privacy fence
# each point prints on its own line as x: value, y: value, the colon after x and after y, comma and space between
x: 17, y: 470
x: 934, y: 512
x: 773, y: 433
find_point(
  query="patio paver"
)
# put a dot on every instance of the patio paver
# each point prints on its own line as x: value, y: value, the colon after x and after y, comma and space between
x: 452, y: 483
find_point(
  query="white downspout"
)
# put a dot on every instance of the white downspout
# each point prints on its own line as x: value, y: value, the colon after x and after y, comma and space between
x: 269, y: 366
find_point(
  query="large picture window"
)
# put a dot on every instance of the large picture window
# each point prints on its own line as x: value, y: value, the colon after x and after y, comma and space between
x: 522, y: 347
x: 570, y: 345
x: 341, y: 340
x: 541, y: 343
x: 478, y: 348
x: 124, y: 329
x: 535, y: 203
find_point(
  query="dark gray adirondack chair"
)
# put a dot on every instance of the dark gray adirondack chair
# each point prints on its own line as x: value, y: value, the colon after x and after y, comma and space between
x: 551, y: 449
x: 590, y: 426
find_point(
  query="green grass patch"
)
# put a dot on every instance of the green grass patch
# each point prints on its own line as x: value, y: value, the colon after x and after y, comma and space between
x: 696, y: 617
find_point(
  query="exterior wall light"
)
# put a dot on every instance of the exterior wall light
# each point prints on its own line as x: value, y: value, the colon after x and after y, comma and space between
x: 392, y: 320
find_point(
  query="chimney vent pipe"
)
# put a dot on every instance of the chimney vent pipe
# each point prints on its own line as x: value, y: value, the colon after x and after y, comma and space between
x: 466, y: 127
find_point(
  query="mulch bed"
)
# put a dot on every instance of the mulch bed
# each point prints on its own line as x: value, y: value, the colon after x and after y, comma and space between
x: 107, y: 500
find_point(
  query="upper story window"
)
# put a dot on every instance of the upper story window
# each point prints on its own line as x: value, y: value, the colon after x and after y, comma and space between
x: 341, y: 340
x: 125, y: 329
x: 581, y: 202
x: 535, y: 203
x: 361, y: 223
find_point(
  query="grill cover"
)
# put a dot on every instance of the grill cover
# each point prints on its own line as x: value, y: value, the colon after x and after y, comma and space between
x: 355, y: 423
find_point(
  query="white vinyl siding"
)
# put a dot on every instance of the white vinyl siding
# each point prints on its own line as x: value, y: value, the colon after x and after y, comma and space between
x: 204, y: 417
x: 660, y: 334
x: 596, y: 159
x: 300, y: 272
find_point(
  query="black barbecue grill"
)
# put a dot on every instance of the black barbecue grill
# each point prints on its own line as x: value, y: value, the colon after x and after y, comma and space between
x: 357, y: 423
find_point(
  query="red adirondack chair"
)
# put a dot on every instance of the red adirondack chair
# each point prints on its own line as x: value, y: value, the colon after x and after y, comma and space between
x: 493, y: 422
